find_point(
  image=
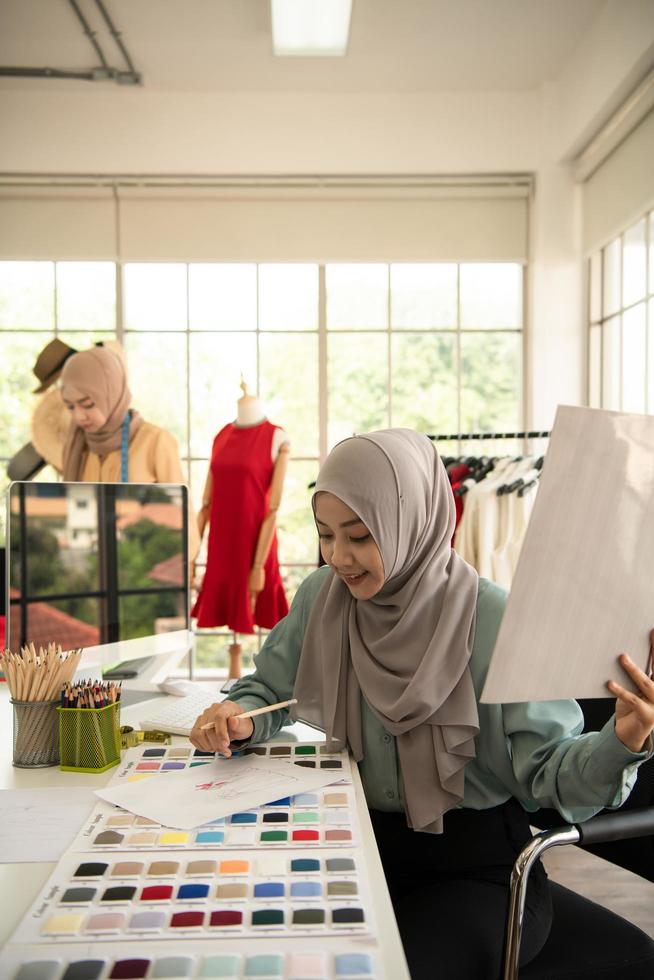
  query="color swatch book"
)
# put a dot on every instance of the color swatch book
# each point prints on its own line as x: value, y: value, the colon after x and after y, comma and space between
x: 276, y: 891
x: 324, y: 817
x: 297, y: 960
x: 143, y: 896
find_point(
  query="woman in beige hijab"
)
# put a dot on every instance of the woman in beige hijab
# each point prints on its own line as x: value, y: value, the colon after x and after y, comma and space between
x: 386, y: 650
x: 94, y: 389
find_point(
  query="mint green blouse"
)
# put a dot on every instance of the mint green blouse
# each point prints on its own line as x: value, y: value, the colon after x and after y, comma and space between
x: 531, y: 750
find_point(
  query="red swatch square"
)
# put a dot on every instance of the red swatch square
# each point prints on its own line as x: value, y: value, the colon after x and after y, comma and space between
x: 306, y: 835
x: 226, y: 918
x: 129, y: 969
x: 156, y: 893
x: 183, y: 920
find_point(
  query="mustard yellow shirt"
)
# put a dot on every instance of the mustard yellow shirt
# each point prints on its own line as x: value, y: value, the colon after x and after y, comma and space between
x: 153, y: 458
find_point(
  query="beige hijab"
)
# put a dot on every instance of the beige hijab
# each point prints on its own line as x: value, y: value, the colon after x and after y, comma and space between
x: 99, y: 374
x: 406, y: 650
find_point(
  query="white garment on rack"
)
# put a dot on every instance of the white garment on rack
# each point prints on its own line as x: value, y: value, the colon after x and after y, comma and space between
x: 489, y: 523
x: 467, y: 537
x: 514, y: 517
x: 499, y: 558
x: 525, y: 505
x: 492, y: 527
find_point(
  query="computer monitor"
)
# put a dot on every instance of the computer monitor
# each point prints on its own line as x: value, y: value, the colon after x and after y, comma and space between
x: 91, y: 563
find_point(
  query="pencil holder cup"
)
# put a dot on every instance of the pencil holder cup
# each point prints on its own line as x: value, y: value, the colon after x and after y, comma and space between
x: 36, y: 739
x: 89, y: 738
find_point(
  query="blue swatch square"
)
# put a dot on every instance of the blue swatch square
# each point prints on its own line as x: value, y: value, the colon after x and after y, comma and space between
x: 244, y: 818
x: 353, y: 965
x: 195, y: 890
x: 305, y: 865
x: 306, y: 889
x: 306, y: 799
x: 269, y: 889
x: 209, y: 837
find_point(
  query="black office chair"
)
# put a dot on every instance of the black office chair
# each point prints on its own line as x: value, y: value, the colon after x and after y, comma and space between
x: 587, y: 941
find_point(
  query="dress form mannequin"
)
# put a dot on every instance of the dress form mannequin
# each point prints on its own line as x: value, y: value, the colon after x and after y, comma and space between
x: 251, y: 415
x: 250, y: 411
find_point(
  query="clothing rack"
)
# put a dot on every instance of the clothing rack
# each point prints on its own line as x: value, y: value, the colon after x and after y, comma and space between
x: 464, y: 436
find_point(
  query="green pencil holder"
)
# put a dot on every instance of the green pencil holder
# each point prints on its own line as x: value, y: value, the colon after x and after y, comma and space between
x: 89, y: 738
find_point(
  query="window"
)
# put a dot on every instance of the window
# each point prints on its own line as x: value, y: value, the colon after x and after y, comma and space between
x: 621, y: 321
x: 332, y: 349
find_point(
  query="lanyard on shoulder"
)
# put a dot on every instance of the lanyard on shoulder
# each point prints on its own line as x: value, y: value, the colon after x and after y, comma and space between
x: 124, y: 442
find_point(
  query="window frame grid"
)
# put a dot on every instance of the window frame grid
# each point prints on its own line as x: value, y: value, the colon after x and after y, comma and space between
x: 604, y: 318
x: 121, y: 332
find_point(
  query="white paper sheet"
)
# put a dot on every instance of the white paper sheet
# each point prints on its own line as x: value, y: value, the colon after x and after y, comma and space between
x: 39, y: 824
x: 193, y: 797
x: 583, y: 591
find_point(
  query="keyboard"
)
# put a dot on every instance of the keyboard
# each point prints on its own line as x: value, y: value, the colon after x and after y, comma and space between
x: 177, y: 715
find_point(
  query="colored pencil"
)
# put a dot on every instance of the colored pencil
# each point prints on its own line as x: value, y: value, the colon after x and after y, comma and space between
x: 38, y: 676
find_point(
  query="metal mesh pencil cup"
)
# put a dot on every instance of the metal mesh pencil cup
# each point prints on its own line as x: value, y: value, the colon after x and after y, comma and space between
x: 89, y: 738
x: 36, y: 739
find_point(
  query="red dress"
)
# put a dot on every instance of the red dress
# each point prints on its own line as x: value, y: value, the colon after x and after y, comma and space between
x: 241, y: 468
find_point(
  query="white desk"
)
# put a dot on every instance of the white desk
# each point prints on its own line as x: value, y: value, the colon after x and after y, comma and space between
x: 20, y: 883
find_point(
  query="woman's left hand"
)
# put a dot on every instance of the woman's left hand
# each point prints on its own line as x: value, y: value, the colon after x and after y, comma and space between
x: 634, y: 712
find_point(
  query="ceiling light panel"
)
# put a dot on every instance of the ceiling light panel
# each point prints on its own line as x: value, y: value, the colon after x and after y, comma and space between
x: 310, y: 28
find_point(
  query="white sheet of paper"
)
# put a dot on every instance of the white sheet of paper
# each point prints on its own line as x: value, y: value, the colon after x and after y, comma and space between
x: 583, y: 591
x: 39, y: 824
x: 199, y: 795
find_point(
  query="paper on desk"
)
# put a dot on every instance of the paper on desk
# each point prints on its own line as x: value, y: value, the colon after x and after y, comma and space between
x: 201, y: 794
x: 39, y: 824
x: 583, y: 591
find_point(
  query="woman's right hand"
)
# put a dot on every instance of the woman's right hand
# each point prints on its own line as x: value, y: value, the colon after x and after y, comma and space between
x: 226, y: 728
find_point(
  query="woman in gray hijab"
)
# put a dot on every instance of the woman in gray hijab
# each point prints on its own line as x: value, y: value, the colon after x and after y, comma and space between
x: 386, y: 649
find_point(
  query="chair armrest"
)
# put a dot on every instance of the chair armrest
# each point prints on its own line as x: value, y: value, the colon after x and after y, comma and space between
x: 605, y: 827
x: 617, y: 826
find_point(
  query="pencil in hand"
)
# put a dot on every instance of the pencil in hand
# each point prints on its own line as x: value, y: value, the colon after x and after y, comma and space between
x: 255, y: 711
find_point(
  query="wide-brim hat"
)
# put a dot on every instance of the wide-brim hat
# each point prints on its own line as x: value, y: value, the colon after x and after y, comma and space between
x: 49, y: 363
x: 49, y: 424
x: 25, y: 464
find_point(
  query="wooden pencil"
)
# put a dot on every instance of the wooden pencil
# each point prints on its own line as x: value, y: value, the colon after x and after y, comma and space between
x: 254, y: 712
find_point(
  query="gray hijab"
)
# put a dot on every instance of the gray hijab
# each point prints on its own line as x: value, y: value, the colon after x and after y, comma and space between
x: 406, y: 650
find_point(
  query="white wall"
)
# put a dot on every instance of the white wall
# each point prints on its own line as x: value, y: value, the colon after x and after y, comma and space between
x: 556, y: 335
x: 132, y: 131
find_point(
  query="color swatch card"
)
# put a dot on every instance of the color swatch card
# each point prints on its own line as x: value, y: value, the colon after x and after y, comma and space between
x: 142, y: 763
x: 323, y: 817
x: 337, y: 959
x: 196, y: 796
x: 143, y: 897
